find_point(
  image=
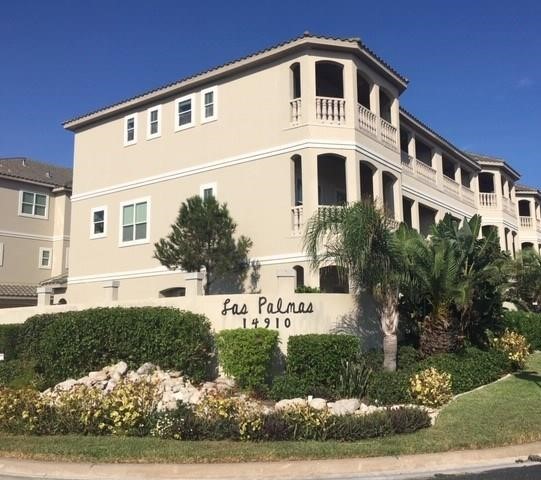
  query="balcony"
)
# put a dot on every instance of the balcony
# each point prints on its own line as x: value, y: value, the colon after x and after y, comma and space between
x: 417, y: 168
x: 331, y: 110
x: 487, y: 200
x: 295, y: 111
x: 526, y: 222
x: 297, y: 220
x: 467, y: 194
x: 367, y: 120
x: 450, y: 186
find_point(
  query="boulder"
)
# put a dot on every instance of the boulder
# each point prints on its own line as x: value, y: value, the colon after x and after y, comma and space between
x: 98, y: 376
x: 119, y: 369
x: 66, y: 385
x: 345, y: 407
x: 317, y: 403
x: 290, y: 403
x: 146, y: 369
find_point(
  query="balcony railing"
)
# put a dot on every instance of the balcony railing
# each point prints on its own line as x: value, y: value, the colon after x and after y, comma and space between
x: 389, y: 133
x: 367, y: 120
x: 467, y: 194
x: 425, y: 171
x: 297, y: 220
x: 451, y: 186
x: 295, y: 111
x: 331, y: 110
x: 526, y: 222
x: 487, y: 199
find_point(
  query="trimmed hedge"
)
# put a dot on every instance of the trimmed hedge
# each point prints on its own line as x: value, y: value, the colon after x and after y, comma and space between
x: 317, y: 359
x: 70, y: 344
x: 527, y: 324
x: 248, y: 355
x: 389, y: 388
x: 9, y: 338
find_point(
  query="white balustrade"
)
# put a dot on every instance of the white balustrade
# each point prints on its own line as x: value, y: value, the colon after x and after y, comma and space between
x: 450, y: 185
x: 297, y: 219
x: 367, y: 120
x: 425, y: 171
x: 295, y: 111
x: 487, y: 199
x: 388, y: 133
x: 331, y: 110
x: 526, y: 222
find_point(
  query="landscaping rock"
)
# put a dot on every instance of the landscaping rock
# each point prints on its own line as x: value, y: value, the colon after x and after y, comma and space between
x: 119, y: 369
x: 345, y: 407
x: 98, y: 376
x: 318, y: 403
x: 146, y: 369
x: 66, y: 385
x: 290, y: 403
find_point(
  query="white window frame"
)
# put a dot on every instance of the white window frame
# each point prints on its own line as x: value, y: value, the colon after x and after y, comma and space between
x: 98, y: 235
x: 157, y: 108
x: 141, y: 241
x: 127, y: 142
x: 214, y: 91
x: 1, y: 254
x: 40, y: 258
x: 206, y: 186
x: 32, y: 215
x: 178, y: 127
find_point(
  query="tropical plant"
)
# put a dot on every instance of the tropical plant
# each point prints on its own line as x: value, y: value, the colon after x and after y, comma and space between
x: 202, y: 236
x: 359, y: 240
x: 525, y: 271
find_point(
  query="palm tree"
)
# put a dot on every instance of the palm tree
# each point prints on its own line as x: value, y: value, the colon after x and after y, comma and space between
x: 359, y: 240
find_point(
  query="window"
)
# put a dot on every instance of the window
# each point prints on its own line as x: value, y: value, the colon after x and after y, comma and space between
x: 98, y: 222
x: 33, y: 204
x: 1, y: 254
x: 208, y: 190
x: 45, y: 258
x: 154, y: 118
x: 209, y: 106
x: 134, y: 228
x: 184, y: 112
x: 130, y: 130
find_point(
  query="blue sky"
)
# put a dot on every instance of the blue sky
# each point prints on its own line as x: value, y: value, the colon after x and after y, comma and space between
x: 474, y: 66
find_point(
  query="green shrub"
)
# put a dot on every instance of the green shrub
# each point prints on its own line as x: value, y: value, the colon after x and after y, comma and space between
x: 248, y: 355
x: 527, y: 324
x: 9, y: 339
x: 389, y: 388
x: 469, y: 368
x: 18, y: 373
x: 287, y: 386
x: 317, y: 359
x: 307, y: 289
x: 408, y: 357
x: 70, y: 344
x: 354, y: 378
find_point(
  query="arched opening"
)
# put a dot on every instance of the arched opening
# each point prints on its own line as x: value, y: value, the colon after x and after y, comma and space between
x: 389, y: 182
x: 486, y: 230
x: 329, y: 79
x: 526, y: 246
x: 172, y: 292
x: 363, y: 91
x: 367, y: 181
x: 486, y: 182
x: 514, y: 243
x: 407, y: 207
x: 299, y: 276
x: 62, y: 301
x: 295, y: 70
x: 524, y: 208
x: 385, y: 102
x: 331, y: 178
x: 427, y: 218
x: 506, y: 233
x: 330, y: 280
x: 296, y: 188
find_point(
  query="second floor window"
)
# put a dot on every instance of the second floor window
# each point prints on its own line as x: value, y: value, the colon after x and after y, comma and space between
x: 135, y: 222
x: 153, y: 122
x: 130, y: 130
x: 98, y: 222
x: 184, y: 112
x: 45, y: 258
x: 209, y: 107
x: 33, y: 204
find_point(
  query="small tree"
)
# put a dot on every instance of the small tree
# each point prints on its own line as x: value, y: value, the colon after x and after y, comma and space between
x: 202, y: 236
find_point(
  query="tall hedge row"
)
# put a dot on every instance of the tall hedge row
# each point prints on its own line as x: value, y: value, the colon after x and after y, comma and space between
x: 527, y: 324
x: 9, y: 339
x: 70, y: 344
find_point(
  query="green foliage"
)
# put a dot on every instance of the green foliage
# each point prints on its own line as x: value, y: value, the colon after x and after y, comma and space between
x: 307, y: 289
x: 288, y: 386
x: 203, y: 236
x: 469, y: 368
x: 389, y: 388
x: 9, y: 338
x: 527, y: 324
x: 248, y: 355
x: 525, y: 270
x: 317, y: 359
x: 354, y: 378
x: 70, y: 344
x: 18, y: 373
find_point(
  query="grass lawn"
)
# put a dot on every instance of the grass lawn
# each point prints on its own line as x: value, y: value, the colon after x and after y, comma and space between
x: 507, y: 412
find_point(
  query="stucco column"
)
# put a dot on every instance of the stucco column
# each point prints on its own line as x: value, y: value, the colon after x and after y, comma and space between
x: 532, y: 210
x: 111, y: 290
x: 45, y: 295
x: 475, y: 187
x: 395, y: 115
x: 194, y: 283
x: 377, y: 178
x: 501, y: 234
x: 309, y: 184
x: 308, y: 89
x: 286, y: 279
x: 412, y: 151
x: 374, y: 99
x: 498, y: 187
x: 415, y: 222
x: 350, y: 93
x: 437, y: 164
x: 353, y: 179
x: 458, y: 174
x: 397, y: 198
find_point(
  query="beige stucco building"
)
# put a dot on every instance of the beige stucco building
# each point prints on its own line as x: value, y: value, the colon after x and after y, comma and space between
x: 34, y: 229
x: 278, y: 134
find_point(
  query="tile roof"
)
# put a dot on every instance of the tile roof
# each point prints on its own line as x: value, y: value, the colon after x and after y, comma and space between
x: 526, y: 188
x: 27, y: 169
x: 7, y: 290
x: 305, y: 35
x: 58, y: 280
x: 487, y: 160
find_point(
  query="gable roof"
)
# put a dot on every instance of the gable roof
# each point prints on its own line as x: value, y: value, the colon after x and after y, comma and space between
x: 23, y: 168
x: 490, y: 161
x: 354, y: 45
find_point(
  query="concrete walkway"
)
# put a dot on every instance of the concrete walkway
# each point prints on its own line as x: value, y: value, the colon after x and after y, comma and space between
x: 374, y: 468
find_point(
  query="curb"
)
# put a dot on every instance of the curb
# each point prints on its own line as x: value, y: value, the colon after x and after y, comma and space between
x: 358, y: 468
